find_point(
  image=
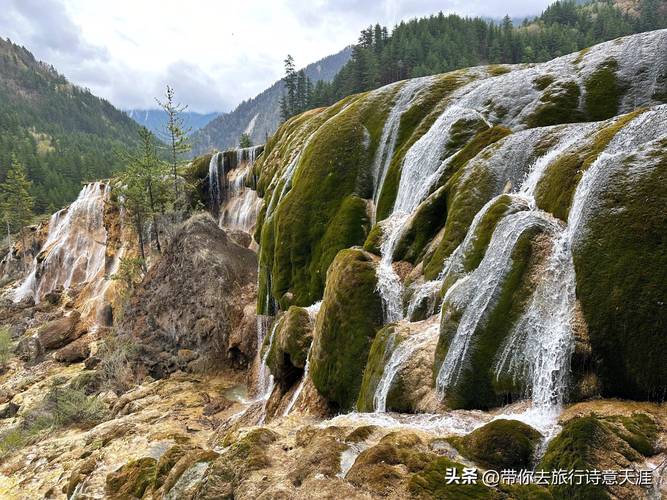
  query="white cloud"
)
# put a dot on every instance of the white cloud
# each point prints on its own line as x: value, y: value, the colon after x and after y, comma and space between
x: 214, y: 53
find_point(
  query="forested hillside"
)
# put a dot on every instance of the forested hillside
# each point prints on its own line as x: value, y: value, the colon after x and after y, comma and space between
x: 61, y: 133
x: 441, y: 43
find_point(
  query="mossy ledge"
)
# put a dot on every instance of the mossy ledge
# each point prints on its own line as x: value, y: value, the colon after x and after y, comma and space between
x: 350, y: 316
x: 500, y: 444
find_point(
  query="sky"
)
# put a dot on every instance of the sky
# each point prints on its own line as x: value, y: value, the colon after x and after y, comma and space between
x: 214, y: 53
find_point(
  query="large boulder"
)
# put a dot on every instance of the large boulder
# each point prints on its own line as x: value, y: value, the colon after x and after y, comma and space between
x: 289, y: 350
x: 195, y: 298
x: 350, y: 316
x: 500, y: 444
x: 60, y: 332
x: 620, y: 259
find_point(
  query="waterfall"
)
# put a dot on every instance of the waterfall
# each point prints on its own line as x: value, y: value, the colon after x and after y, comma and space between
x: 480, y: 288
x: 428, y: 292
x: 388, y: 282
x: 302, y: 383
x: 398, y: 358
x: 242, y: 205
x: 75, y: 248
x: 385, y: 153
x: 264, y: 377
x: 216, y: 175
x: 313, y: 310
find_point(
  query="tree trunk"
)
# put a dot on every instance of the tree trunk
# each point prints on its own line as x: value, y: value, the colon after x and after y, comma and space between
x: 156, y: 233
x: 9, y: 240
x: 140, y: 234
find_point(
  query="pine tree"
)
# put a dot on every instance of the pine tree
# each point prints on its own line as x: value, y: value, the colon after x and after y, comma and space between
x: 245, y: 141
x: 16, y: 203
x: 175, y: 134
x: 144, y: 187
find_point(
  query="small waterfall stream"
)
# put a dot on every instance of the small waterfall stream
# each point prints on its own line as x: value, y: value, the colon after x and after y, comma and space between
x: 313, y: 310
x: 399, y: 357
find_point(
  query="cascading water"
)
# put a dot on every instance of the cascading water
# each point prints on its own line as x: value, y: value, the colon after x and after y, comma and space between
x: 216, y: 175
x: 313, y: 310
x: 404, y: 99
x: 242, y: 206
x: 74, y: 251
x: 265, y: 380
x: 421, y: 168
x: 398, y: 358
x: 480, y: 288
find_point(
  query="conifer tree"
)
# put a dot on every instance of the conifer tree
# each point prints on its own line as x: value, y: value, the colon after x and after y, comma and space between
x: 144, y: 187
x: 16, y: 202
x: 245, y: 141
x: 175, y: 134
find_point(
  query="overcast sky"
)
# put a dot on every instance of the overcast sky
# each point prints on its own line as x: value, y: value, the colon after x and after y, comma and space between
x: 215, y: 53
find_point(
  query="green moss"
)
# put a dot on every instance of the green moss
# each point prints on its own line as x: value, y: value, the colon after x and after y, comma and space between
x: 196, y: 175
x: 586, y: 440
x: 428, y: 218
x: 476, y: 386
x: 374, y: 240
x: 542, y: 82
x: 324, y: 211
x: 431, y: 483
x: 289, y: 350
x: 350, y: 315
x: 465, y: 197
x: 621, y: 271
x: 556, y: 188
x: 498, y: 69
x: 639, y: 431
x: 558, y: 104
x: 574, y: 449
x: 415, y: 122
x: 581, y: 55
x: 500, y: 444
x: 132, y: 480
x: 383, y: 345
x: 603, y: 92
x: 502, y: 207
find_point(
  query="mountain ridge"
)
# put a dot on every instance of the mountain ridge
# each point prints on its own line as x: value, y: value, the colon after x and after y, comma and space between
x: 259, y: 117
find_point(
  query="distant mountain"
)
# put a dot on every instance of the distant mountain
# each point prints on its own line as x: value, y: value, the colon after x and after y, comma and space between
x: 260, y: 116
x: 155, y: 119
x: 62, y: 133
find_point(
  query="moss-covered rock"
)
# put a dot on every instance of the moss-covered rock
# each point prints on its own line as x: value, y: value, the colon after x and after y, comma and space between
x: 620, y: 259
x: 432, y: 483
x: 324, y: 211
x: 289, y: 349
x: 476, y: 385
x: 593, y: 442
x: 374, y: 240
x: 132, y: 479
x: 383, y: 345
x: 350, y: 316
x: 422, y: 226
x: 244, y: 455
x: 415, y: 122
x: 500, y: 444
x: 556, y: 188
x: 603, y: 92
x: 558, y: 104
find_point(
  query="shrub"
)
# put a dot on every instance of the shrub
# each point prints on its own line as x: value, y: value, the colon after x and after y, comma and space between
x: 5, y: 346
x: 117, y: 355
